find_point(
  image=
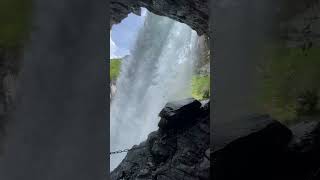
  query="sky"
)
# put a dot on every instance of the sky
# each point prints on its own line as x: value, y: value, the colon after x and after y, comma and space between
x: 123, y: 35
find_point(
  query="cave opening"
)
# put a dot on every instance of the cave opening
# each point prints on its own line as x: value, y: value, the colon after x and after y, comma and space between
x: 153, y: 60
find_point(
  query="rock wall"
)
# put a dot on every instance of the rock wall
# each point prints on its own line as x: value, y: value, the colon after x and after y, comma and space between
x: 202, y: 66
x: 302, y: 28
x: 258, y: 147
x: 195, y: 13
x: 178, y: 150
x: 191, y: 12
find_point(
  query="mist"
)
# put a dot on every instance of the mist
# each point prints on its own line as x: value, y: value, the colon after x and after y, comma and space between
x: 59, y: 128
x: 238, y: 29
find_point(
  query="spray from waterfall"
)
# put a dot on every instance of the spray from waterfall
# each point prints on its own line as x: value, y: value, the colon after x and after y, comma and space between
x: 159, y: 70
x: 58, y: 128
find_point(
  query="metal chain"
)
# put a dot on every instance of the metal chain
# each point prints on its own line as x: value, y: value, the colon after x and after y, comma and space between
x: 119, y: 151
x: 126, y: 150
x: 134, y: 148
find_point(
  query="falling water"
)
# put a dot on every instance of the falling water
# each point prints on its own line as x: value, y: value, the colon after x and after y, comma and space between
x: 159, y: 70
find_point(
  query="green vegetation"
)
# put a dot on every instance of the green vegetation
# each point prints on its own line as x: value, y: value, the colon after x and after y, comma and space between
x: 200, y: 83
x: 15, y: 22
x: 290, y: 85
x: 115, y: 65
x: 200, y: 87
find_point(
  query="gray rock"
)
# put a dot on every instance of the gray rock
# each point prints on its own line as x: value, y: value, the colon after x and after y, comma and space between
x: 304, y: 149
x: 179, y: 114
x: 195, y: 13
x: 191, y: 12
x: 249, y: 149
x: 161, y: 150
x: 306, y: 136
x: 144, y: 173
x: 167, y: 155
x: 207, y: 153
x: 173, y: 109
x: 262, y: 148
x: 247, y: 127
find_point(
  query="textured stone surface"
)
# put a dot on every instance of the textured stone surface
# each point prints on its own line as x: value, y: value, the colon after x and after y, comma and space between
x: 191, y: 12
x: 170, y: 154
x: 265, y: 149
x: 195, y: 13
x: 304, y: 150
x: 251, y: 147
x: 306, y: 136
x: 179, y: 114
x: 246, y: 128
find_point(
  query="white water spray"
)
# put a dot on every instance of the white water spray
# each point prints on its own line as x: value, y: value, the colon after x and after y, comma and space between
x: 159, y: 70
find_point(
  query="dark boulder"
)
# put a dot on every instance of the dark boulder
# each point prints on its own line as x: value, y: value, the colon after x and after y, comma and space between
x: 167, y: 155
x: 179, y: 114
x: 262, y: 148
x: 252, y: 149
x: 303, y: 150
x: 306, y: 137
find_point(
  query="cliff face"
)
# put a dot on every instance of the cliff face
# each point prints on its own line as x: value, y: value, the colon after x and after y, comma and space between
x: 179, y: 149
x: 202, y: 66
x: 195, y: 13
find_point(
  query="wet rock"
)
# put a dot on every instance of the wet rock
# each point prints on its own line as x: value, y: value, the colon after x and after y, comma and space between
x: 162, y: 150
x: 167, y: 155
x: 251, y: 129
x: 204, y: 169
x: 207, y: 153
x: 303, y: 150
x: 254, y: 149
x: 191, y: 12
x: 257, y: 148
x: 173, y: 110
x: 306, y: 137
x: 144, y: 173
x: 195, y: 13
x: 179, y: 114
x: 262, y: 148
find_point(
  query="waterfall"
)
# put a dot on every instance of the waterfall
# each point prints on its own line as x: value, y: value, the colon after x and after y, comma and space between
x: 159, y: 70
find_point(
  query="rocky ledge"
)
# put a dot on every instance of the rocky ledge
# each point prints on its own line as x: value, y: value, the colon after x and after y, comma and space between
x: 195, y: 13
x: 179, y: 149
x: 262, y: 148
x: 256, y: 147
x: 191, y: 12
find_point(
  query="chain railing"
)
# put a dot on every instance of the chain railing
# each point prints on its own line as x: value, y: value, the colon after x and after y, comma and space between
x: 140, y: 147
x: 126, y: 150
